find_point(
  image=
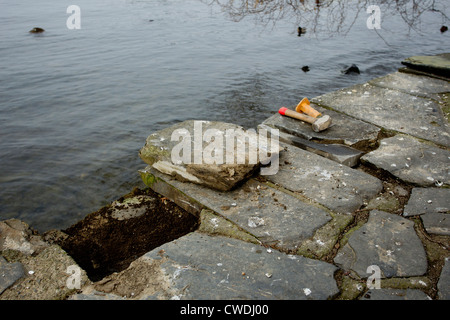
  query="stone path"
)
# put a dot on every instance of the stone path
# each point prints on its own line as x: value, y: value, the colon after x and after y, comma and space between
x: 368, y: 197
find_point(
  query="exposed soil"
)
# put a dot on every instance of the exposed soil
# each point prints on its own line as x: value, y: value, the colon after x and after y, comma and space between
x: 102, y: 244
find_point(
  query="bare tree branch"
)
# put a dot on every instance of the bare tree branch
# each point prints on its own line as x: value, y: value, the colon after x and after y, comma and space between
x: 340, y: 15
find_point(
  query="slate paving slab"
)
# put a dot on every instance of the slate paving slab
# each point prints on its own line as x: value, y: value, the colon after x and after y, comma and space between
x: 427, y: 200
x: 339, y: 153
x: 444, y: 281
x: 415, y: 85
x: 198, y: 266
x: 273, y: 216
x: 344, y: 129
x: 337, y: 187
x: 387, y: 241
x: 395, y: 294
x: 392, y: 110
x: 412, y: 161
x: 9, y: 273
x: 215, y: 154
x: 433, y: 204
x: 438, y: 64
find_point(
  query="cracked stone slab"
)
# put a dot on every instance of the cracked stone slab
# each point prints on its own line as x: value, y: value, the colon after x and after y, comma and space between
x: 415, y: 85
x: 337, y: 187
x: 412, y: 161
x: 273, y: 216
x: 215, y: 154
x: 337, y: 152
x: 344, y: 129
x: 433, y: 204
x: 199, y: 266
x: 387, y: 241
x: 391, y: 109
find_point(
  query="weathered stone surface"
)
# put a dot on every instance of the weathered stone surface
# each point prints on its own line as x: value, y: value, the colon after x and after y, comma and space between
x: 47, y: 275
x: 273, y: 216
x: 17, y: 235
x: 428, y: 200
x: 325, y: 238
x: 207, y: 153
x: 395, y: 294
x: 433, y: 204
x: 438, y: 64
x: 344, y: 129
x: 437, y: 223
x: 392, y: 110
x: 411, y: 160
x: 385, y: 202
x: 337, y: 152
x: 444, y: 282
x: 198, y: 266
x: 215, y: 224
x: 9, y: 273
x: 415, y: 85
x: 387, y: 241
x: 132, y: 207
x: 337, y: 187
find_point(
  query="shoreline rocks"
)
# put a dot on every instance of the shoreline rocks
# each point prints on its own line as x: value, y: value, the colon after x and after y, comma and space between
x: 268, y: 237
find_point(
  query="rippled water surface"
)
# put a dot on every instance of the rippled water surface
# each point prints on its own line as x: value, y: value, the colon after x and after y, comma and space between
x: 77, y: 105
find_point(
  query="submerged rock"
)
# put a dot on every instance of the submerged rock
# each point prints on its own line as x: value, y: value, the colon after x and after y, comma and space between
x: 214, y: 154
x: 352, y: 69
x: 36, y: 30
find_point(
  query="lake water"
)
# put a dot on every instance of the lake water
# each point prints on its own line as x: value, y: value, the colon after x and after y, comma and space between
x: 77, y: 105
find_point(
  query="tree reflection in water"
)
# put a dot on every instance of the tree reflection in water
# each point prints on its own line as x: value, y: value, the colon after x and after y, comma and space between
x: 329, y: 16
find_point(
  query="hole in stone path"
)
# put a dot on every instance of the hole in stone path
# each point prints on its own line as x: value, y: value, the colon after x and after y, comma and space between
x: 109, y: 239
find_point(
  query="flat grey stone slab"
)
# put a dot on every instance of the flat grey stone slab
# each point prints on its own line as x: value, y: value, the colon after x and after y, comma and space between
x: 433, y: 204
x: 337, y: 152
x: 428, y: 200
x: 198, y: 266
x: 395, y: 294
x: 211, y: 153
x: 392, y: 110
x: 444, y: 282
x: 9, y: 273
x: 337, y: 187
x: 344, y: 129
x: 437, y: 64
x: 415, y: 85
x: 274, y: 217
x: 412, y: 161
x: 387, y: 241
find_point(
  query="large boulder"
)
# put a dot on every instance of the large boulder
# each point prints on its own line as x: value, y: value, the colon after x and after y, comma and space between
x: 214, y: 154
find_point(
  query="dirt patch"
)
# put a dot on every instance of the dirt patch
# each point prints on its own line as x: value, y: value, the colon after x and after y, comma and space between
x: 143, y: 277
x: 106, y: 241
